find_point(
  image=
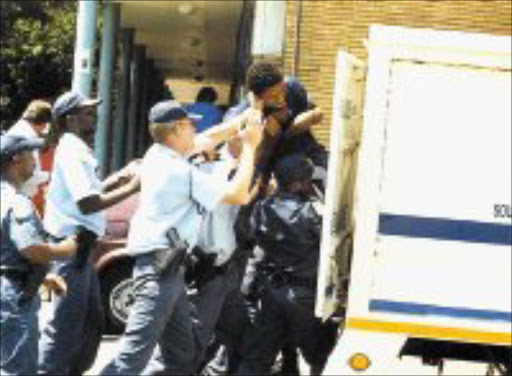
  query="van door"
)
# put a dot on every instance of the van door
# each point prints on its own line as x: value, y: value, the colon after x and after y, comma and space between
x: 337, y: 225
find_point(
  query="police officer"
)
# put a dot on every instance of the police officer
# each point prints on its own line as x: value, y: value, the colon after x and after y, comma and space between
x: 174, y: 198
x: 287, y: 227
x: 24, y: 255
x: 34, y: 122
x: 218, y: 242
x: 212, y: 268
x: 75, y: 202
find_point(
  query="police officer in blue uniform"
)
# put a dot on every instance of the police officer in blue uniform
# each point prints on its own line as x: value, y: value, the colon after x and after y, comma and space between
x: 75, y: 203
x: 212, y: 270
x: 24, y: 258
x: 174, y: 198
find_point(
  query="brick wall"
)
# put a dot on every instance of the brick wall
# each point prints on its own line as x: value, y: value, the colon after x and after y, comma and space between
x: 328, y: 25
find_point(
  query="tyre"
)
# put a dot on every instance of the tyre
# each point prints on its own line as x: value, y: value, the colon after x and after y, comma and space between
x: 117, y: 294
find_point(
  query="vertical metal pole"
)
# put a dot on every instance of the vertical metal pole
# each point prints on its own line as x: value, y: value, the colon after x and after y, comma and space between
x: 121, y: 122
x: 103, y: 135
x: 151, y: 99
x: 143, y: 111
x: 85, y: 45
x: 133, y: 113
x: 296, y: 41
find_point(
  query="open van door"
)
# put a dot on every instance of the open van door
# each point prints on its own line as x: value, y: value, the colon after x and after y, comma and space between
x: 337, y: 224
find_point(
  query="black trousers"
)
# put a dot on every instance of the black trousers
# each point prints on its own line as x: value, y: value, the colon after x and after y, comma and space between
x: 286, y: 316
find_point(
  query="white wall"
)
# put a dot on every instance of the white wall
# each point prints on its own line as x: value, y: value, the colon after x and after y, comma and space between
x: 269, y: 28
x: 185, y: 91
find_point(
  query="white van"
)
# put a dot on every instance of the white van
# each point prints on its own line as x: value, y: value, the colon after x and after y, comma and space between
x: 417, y: 235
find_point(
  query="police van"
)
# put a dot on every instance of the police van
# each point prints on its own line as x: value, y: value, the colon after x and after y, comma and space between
x: 416, y: 244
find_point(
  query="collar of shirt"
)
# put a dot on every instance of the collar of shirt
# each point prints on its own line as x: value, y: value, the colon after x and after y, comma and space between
x: 73, y: 143
x: 8, y: 196
x: 6, y: 186
x: 161, y: 148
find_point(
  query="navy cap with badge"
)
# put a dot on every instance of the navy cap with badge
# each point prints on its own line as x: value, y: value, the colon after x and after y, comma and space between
x: 11, y: 145
x: 169, y: 111
x: 71, y: 100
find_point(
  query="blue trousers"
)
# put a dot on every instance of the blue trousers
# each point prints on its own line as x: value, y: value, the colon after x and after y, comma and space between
x: 207, y: 306
x: 160, y: 316
x: 19, y: 331
x: 69, y: 342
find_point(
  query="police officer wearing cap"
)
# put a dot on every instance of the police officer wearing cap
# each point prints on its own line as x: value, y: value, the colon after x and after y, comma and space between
x: 287, y: 227
x: 174, y: 198
x: 213, y: 268
x: 76, y: 199
x: 24, y: 256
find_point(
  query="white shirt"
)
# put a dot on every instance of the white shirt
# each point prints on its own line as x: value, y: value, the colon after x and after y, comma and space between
x: 29, y: 189
x: 174, y: 194
x: 74, y: 178
x: 217, y: 232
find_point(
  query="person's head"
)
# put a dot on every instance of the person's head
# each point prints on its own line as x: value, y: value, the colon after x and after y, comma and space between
x: 39, y: 114
x: 17, y: 162
x: 207, y: 94
x: 294, y: 173
x: 171, y: 125
x: 267, y: 83
x: 75, y: 113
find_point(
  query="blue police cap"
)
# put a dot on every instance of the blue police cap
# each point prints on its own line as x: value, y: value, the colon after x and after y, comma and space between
x: 293, y: 168
x: 71, y: 100
x: 169, y: 111
x: 13, y: 144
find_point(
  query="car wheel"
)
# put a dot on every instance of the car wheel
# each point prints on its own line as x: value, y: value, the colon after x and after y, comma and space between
x: 117, y: 295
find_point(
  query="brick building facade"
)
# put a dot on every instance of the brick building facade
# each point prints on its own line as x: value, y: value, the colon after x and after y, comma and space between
x: 324, y: 26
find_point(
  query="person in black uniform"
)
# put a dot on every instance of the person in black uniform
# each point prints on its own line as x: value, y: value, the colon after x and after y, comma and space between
x: 287, y: 227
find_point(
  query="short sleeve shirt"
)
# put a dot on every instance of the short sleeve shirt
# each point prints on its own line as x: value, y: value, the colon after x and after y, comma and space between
x: 217, y: 233
x: 174, y: 195
x: 74, y: 177
x: 21, y: 227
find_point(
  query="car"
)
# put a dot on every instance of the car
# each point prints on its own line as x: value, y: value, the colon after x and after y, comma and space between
x: 114, y: 265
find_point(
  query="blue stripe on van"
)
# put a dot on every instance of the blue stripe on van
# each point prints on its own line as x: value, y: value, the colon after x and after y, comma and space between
x: 445, y: 229
x: 428, y: 309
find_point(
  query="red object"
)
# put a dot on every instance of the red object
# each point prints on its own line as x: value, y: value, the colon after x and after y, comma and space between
x: 46, y: 165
